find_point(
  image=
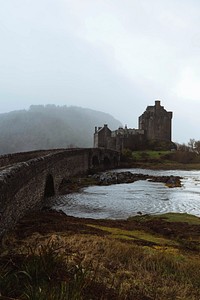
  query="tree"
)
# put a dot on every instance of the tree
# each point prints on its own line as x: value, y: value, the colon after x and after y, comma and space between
x: 197, y: 146
x: 191, y: 144
x: 182, y: 147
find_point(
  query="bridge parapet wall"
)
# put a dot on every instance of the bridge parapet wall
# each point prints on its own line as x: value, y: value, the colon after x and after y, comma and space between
x: 12, y: 158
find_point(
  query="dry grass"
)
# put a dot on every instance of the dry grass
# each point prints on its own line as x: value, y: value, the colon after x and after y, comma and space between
x: 124, y: 270
x: 98, y: 266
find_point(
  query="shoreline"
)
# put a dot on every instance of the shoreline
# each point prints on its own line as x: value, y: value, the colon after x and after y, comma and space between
x: 162, y: 166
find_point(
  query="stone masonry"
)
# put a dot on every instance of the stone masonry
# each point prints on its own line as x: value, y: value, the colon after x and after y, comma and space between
x: 154, y: 125
x: 26, y: 179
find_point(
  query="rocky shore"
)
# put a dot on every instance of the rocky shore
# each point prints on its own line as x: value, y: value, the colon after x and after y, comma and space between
x: 111, y: 177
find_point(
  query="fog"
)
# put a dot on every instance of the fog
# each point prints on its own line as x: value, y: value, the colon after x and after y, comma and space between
x: 112, y: 56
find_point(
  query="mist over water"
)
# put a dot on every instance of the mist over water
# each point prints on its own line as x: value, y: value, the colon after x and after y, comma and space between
x: 123, y: 200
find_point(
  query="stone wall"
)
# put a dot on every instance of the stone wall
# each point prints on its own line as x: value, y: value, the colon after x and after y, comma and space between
x: 23, y: 185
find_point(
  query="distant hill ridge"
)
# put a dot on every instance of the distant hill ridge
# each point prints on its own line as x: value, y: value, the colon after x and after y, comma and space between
x: 50, y: 126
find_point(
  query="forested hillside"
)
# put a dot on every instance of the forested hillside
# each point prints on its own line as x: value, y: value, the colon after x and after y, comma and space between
x: 50, y: 126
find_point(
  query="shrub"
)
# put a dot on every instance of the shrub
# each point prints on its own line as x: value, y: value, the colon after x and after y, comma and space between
x: 126, y: 155
x: 181, y: 156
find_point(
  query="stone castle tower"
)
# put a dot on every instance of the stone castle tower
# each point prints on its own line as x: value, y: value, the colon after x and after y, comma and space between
x: 154, y: 126
x: 156, y: 122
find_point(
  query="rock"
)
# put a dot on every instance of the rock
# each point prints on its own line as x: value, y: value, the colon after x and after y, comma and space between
x: 110, y: 177
x: 173, y: 181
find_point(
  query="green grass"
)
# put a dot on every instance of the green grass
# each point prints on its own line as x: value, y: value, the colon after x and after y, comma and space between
x: 148, y: 154
x: 136, y: 235
x: 180, y: 217
x: 165, y: 159
x: 169, y: 217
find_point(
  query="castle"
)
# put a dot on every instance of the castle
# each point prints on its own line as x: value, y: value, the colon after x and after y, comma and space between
x: 154, y: 131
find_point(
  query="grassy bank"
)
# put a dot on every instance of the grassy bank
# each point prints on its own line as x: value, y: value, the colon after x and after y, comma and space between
x: 165, y: 160
x: 53, y: 256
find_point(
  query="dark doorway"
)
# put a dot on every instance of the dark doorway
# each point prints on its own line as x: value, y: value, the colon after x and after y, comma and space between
x: 49, y: 187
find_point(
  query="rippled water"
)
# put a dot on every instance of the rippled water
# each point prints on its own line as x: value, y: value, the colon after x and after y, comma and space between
x: 124, y: 200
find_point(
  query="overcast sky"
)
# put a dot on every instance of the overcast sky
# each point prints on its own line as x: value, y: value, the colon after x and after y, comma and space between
x: 116, y: 56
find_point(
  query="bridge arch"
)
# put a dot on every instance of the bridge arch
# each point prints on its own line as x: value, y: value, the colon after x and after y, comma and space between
x: 95, y: 161
x: 115, y: 161
x: 106, y: 162
x: 49, y: 190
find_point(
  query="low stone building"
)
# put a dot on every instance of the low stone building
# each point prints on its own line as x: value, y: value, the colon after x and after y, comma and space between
x: 154, y: 127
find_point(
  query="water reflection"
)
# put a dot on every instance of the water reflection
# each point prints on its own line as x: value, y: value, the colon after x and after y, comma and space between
x: 124, y: 200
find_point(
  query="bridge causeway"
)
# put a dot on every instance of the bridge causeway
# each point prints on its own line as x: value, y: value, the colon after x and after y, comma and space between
x: 27, y: 178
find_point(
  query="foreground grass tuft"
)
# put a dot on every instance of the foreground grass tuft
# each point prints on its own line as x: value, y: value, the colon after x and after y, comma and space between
x: 41, y: 273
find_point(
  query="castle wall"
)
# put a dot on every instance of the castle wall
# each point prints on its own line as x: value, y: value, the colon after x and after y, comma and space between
x: 132, y: 142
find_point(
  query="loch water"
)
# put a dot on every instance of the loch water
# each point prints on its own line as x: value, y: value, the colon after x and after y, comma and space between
x: 121, y: 201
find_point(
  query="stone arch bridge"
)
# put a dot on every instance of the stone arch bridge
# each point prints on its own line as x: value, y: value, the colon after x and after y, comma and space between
x: 27, y: 178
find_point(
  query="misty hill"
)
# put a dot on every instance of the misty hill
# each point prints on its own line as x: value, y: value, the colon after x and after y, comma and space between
x: 50, y: 126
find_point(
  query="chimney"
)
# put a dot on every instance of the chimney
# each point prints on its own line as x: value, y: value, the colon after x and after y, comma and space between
x: 157, y: 103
